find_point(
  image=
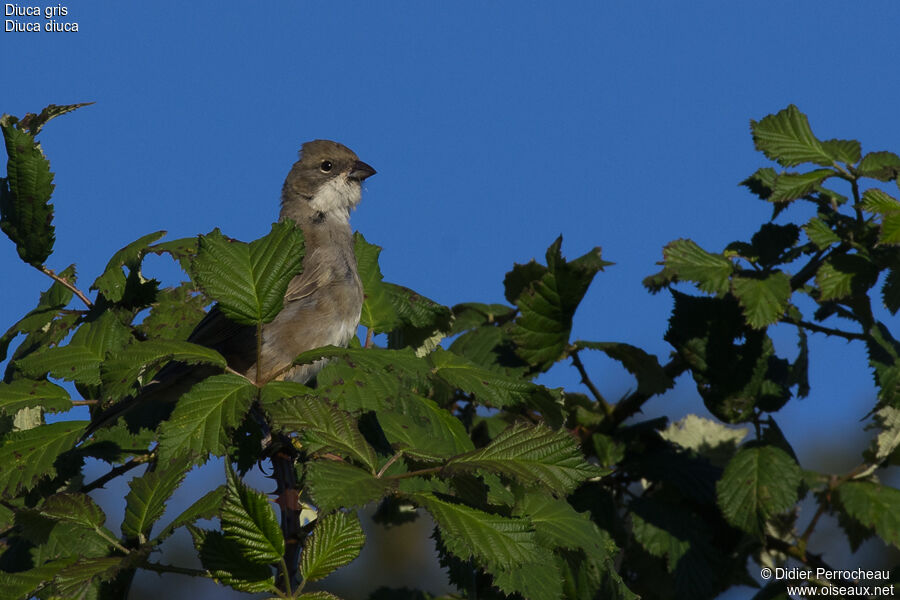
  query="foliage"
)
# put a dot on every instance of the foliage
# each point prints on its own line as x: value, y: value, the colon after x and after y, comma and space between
x: 538, y: 493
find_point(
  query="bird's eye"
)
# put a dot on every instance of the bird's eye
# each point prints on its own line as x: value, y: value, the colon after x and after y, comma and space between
x: 325, y: 166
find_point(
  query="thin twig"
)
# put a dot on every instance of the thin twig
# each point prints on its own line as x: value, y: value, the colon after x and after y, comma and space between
x: 632, y: 404
x: 115, y: 472
x: 84, y: 402
x: 160, y: 568
x: 576, y: 361
x: 370, y: 338
x: 66, y: 283
x: 848, y: 335
x: 388, y: 464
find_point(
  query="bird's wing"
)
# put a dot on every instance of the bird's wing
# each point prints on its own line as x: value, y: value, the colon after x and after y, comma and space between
x: 235, y: 341
x: 304, y: 284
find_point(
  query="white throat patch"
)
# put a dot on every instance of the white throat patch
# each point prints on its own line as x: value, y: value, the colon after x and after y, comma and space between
x: 337, y: 197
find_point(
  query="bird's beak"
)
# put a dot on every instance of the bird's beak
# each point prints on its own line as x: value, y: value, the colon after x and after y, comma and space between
x: 361, y: 170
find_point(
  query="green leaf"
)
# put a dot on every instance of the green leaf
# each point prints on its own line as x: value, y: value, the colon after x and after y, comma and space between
x: 183, y: 250
x: 39, y: 319
x: 845, y: 151
x: 763, y: 300
x: 843, y: 275
x: 535, y: 581
x: 424, y: 322
x: 74, y: 508
x: 758, y: 483
x: 378, y: 312
x: 23, y: 584
x: 424, y: 430
x: 334, y: 485
x: 645, y: 367
x: 174, y: 314
x: 249, y: 280
x: 879, y: 202
x: 786, y: 137
x: 762, y: 182
x: 77, y: 580
x: 547, y: 298
x: 532, y: 455
x: 324, y: 427
x: 335, y: 541
x: 791, y: 186
x: 690, y: 262
x: 890, y: 291
x: 122, y: 373
x: 820, y: 234
x: 489, y: 387
x: 557, y: 524
x: 883, y: 166
x: 203, y: 417
x: 467, y: 532
x: 35, y: 122
x: 884, y: 358
x: 26, y: 215
x: 206, y: 507
x: 27, y: 456
x: 112, y: 282
x: 145, y: 503
x: 26, y: 393
x: 249, y: 520
x: 875, y: 506
x: 224, y: 559
x: 890, y: 229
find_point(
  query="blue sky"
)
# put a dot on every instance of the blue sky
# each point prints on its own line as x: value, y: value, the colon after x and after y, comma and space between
x: 494, y: 127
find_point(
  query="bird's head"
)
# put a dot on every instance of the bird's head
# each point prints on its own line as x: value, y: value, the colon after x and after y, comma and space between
x: 325, y: 184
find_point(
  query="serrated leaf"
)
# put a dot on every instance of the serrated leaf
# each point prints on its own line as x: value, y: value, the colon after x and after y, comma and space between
x: 489, y: 387
x: 535, y: 581
x: 890, y: 291
x: 557, y: 524
x: 223, y: 558
x: 845, y: 151
x: 27, y: 393
x: 249, y: 280
x: 378, y: 312
x: 843, y: 275
x: 762, y: 182
x: 206, y: 507
x: 74, y: 508
x: 424, y: 322
x: 688, y: 261
x: 35, y: 122
x: 27, y: 456
x: 324, y: 427
x: 183, y: 250
x: 883, y: 166
x: 884, y: 358
x: 879, y: 202
x: 791, y: 186
x: 758, y: 483
x: 424, y: 430
x: 80, y: 360
x: 532, y: 455
x: 875, y: 506
x: 26, y: 215
x: 203, y: 417
x: 468, y: 532
x: 249, y: 520
x: 123, y: 372
x: 890, y: 229
x: 76, y: 579
x: 146, y: 500
x: 645, y: 367
x: 23, y: 584
x: 335, y: 541
x: 334, y: 485
x: 762, y: 300
x: 174, y: 315
x: 547, y: 298
x: 820, y: 234
x: 111, y: 283
x: 786, y: 137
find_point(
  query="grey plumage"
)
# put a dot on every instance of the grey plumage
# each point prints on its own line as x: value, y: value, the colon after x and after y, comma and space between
x: 322, y: 304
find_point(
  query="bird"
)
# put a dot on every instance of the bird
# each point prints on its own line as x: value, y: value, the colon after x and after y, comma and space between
x: 322, y: 305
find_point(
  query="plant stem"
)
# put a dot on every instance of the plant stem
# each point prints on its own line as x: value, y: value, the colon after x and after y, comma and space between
x: 848, y: 335
x: 160, y: 568
x: 387, y: 465
x: 576, y: 362
x: 115, y: 472
x: 65, y: 283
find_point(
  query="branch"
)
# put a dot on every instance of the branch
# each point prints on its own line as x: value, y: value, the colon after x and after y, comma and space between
x: 288, y: 499
x: 66, y: 283
x: 576, y: 361
x: 848, y: 335
x: 115, y: 472
x: 160, y: 568
x: 633, y: 403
